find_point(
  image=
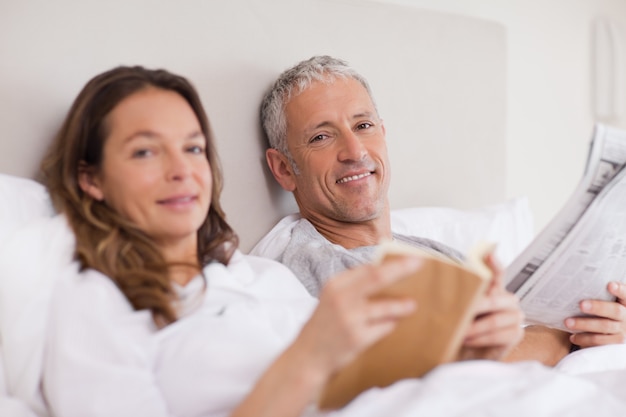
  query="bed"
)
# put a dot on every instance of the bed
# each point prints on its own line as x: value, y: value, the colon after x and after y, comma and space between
x: 440, y: 85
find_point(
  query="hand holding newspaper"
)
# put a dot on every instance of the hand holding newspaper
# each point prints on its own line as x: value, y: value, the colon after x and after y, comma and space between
x: 584, y: 247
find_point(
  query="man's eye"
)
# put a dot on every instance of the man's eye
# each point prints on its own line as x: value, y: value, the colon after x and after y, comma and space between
x: 317, y: 138
x: 364, y: 125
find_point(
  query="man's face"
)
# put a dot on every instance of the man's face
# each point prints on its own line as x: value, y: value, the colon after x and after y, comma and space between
x: 338, y: 145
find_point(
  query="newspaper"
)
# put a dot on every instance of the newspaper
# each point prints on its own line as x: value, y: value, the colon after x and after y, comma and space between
x: 584, y: 246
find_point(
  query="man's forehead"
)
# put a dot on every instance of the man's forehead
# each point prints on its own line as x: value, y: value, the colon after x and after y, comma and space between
x: 335, y: 87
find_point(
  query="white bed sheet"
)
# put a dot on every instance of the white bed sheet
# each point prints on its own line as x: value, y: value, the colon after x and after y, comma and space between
x: 484, y: 388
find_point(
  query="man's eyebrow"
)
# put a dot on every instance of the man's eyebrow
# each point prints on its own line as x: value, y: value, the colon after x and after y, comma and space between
x: 368, y: 114
x: 319, y: 125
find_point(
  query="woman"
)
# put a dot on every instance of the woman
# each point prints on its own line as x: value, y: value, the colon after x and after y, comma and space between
x: 165, y: 316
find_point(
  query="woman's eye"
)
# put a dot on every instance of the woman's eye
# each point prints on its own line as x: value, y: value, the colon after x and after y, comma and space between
x: 142, y: 153
x: 195, y: 149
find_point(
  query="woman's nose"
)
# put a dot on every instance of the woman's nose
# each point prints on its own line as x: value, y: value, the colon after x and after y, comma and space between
x: 178, y: 166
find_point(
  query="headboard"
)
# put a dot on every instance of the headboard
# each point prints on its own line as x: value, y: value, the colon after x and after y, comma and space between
x: 438, y: 79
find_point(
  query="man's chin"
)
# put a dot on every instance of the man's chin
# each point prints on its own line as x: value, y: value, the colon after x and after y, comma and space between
x: 359, y: 216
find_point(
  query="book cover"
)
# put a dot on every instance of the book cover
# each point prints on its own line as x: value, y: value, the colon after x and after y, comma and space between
x: 446, y: 293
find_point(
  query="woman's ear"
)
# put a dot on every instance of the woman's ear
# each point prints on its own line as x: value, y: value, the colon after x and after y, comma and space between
x: 281, y: 169
x: 88, y: 182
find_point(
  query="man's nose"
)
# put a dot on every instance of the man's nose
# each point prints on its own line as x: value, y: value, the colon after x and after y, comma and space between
x: 351, y: 147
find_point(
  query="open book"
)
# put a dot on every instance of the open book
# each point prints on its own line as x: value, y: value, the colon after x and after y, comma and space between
x: 584, y: 246
x: 446, y: 293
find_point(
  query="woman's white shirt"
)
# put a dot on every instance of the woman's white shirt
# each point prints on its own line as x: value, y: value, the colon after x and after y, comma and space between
x: 104, y: 358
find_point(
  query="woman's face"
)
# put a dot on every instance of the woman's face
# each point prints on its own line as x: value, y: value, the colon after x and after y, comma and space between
x: 154, y: 170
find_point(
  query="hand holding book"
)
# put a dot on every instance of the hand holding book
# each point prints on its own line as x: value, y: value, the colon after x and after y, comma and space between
x: 485, y: 339
x: 448, y: 295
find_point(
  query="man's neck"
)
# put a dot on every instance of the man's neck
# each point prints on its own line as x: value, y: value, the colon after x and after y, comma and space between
x: 352, y: 235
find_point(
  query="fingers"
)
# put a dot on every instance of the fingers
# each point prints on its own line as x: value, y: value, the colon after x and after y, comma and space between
x: 615, y: 310
x: 496, y: 300
x: 348, y: 320
x: 348, y: 295
x: 388, y: 309
x: 607, y: 321
x: 380, y: 318
x: 497, y: 328
x: 498, y: 323
x: 371, y: 279
x: 618, y: 290
x: 611, y: 310
x: 585, y: 340
x: 493, y: 336
x: 593, y: 325
x: 496, y: 270
x: 507, y: 336
x: 595, y: 331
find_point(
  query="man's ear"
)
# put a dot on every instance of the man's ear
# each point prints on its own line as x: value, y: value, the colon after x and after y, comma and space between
x: 88, y: 182
x: 281, y: 169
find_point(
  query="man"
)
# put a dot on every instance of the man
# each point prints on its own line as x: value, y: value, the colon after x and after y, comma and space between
x: 328, y: 147
x: 341, y: 176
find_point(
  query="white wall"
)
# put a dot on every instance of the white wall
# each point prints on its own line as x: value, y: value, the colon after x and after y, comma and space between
x: 232, y: 51
x: 47, y: 50
x: 549, y: 81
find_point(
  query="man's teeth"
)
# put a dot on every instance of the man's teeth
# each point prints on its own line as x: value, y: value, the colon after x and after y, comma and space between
x: 354, y: 177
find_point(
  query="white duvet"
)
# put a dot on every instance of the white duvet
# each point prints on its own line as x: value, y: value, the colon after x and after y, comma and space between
x: 483, y: 388
x: 591, y: 382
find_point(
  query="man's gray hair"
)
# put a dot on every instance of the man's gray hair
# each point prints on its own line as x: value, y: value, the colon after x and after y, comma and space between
x: 294, y: 81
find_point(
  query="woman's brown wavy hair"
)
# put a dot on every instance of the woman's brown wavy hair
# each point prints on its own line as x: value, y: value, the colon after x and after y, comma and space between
x: 105, y: 241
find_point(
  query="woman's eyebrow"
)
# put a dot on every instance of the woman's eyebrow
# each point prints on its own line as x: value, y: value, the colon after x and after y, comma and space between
x: 150, y: 134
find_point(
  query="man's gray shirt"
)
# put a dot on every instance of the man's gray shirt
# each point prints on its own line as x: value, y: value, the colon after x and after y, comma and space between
x: 314, y: 259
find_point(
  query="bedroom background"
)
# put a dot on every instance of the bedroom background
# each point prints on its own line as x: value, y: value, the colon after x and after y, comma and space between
x: 484, y: 101
x: 543, y: 106
x: 555, y: 71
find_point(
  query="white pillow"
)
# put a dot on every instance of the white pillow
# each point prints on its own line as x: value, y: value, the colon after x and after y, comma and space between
x: 29, y: 264
x: 21, y: 200
x: 509, y: 225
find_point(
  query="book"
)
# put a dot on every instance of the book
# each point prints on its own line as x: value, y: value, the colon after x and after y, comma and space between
x: 446, y: 293
x: 584, y: 246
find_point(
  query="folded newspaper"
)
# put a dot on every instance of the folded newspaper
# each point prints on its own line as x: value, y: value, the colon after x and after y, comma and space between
x: 584, y: 247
